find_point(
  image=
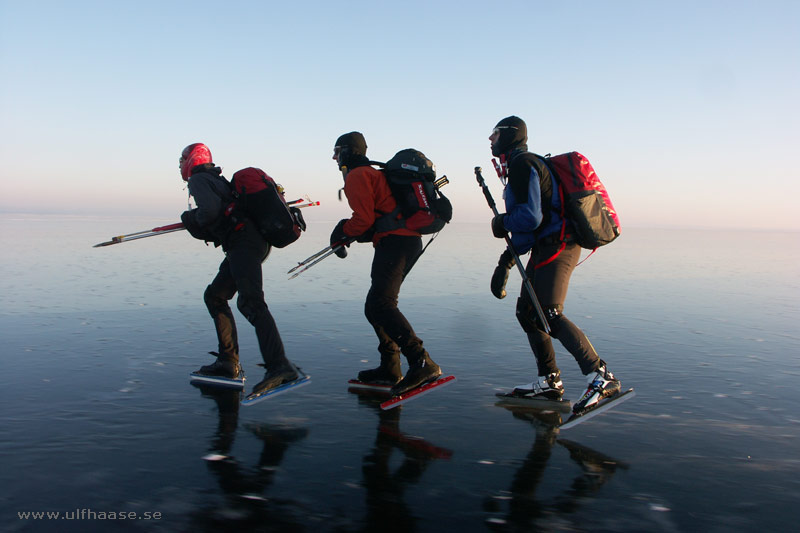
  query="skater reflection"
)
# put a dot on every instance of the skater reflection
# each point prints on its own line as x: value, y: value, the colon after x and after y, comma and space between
x: 385, y: 489
x: 527, y: 510
x: 246, y: 505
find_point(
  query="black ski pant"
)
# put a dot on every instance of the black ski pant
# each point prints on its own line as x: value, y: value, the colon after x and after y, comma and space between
x: 240, y: 272
x: 550, y: 283
x: 394, y: 257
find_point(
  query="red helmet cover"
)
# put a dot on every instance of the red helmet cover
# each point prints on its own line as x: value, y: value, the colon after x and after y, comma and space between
x: 193, y: 155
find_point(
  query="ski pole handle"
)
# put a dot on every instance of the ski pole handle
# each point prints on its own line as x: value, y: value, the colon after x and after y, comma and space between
x: 486, y: 192
x: 176, y: 226
x: 526, y: 282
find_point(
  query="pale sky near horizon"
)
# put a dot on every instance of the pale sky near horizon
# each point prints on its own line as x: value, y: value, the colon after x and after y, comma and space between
x: 688, y: 110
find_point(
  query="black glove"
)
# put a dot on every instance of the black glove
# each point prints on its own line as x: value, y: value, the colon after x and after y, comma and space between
x: 298, y: 217
x: 187, y: 217
x: 338, y: 238
x: 500, y: 276
x: 498, y: 229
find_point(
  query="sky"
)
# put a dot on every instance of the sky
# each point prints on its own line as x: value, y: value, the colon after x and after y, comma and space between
x: 688, y: 110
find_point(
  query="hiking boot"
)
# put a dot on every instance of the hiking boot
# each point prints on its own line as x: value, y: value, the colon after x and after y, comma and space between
x: 549, y: 387
x: 419, y: 373
x: 222, y: 367
x: 602, y: 384
x: 380, y: 376
x: 276, y: 377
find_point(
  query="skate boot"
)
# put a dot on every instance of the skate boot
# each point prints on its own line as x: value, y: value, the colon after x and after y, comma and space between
x: 274, y: 377
x: 224, y: 367
x: 387, y: 373
x: 419, y: 373
x: 549, y: 387
x: 380, y: 376
x: 602, y: 384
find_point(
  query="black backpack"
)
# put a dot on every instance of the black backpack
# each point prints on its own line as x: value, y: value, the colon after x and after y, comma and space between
x: 421, y: 206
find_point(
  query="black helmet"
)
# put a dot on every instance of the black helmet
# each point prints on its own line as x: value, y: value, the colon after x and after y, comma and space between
x: 513, y: 134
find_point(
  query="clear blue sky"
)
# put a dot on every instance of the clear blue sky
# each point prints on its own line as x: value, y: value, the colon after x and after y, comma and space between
x: 688, y: 110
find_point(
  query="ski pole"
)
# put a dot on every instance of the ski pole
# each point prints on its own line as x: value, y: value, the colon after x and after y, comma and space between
x: 297, y: 204
x: 317, y: 257
x: 309, y: 259
x: 179, y: 226
x: 526, y: 282
x: 142, y: 234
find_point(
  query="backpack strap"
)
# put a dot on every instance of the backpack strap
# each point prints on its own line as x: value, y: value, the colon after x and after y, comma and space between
x: 389, y: 221
x: 561, y: 233
x: 562, y: 237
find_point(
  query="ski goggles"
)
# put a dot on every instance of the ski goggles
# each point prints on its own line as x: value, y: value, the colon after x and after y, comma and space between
x: 497, y: 131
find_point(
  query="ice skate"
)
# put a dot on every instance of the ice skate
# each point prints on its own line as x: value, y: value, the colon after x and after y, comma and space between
x: 547, y: 387
x: 223, y: 367
x: 275, y: 377
x: 602, y: 384
x: 380, y: 376
x: 224, y: 372
x: 423, y: 371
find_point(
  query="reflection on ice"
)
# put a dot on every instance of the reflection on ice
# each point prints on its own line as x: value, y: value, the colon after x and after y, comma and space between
x: 98, y: 411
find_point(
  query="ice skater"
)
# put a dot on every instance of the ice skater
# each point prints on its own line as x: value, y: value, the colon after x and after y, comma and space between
x: 369, y: 196
x: 534, y: 224
x: 245, y: 250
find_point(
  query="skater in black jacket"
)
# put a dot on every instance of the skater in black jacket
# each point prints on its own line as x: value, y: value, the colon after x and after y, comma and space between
x: 245, y: 249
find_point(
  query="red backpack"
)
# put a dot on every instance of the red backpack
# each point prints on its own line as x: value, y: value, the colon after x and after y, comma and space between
x: 260, y: 199
x: 584, y: 200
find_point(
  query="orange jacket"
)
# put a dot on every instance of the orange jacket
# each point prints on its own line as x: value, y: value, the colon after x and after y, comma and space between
x: 369, y: 197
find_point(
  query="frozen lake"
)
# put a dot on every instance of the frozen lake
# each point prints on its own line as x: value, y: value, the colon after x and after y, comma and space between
x: 99, y: 415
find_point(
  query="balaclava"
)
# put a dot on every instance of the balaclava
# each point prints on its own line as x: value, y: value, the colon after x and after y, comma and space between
x: 513, y: 135
x: 353, y: 150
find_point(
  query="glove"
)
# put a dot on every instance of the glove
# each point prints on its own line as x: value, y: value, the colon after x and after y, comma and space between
x: 187, y: 217
x: 498, y: 229
x: 500, y: 276
x: 338, y: 236
x: 298, y: 217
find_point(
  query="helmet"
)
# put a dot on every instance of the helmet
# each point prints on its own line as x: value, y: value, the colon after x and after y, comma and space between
x: 193, y: 155
x: 513, y: 134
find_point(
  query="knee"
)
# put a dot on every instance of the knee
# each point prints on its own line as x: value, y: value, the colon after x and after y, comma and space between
x: 554, y: 315
x: 375, y: 306
x: 251, y: 307
x: 251, y: 302
x: 212, y: 299
x: 529, y: 320
x: 526, y: 316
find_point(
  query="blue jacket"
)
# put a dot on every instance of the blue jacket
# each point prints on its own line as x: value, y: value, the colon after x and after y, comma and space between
x: 533, y: 207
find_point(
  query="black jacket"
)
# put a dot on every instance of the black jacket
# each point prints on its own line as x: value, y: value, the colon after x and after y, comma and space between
x: 212, y: 194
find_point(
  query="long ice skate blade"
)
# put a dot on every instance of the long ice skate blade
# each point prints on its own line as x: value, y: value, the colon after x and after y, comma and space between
x: 604, y: 406
x: 253, y: 399
x: 413, y: 394
x: 217, y: 381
